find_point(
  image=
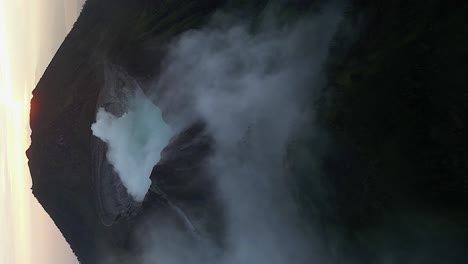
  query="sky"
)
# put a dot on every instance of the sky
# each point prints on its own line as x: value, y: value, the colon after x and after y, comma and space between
x: 31, y: 31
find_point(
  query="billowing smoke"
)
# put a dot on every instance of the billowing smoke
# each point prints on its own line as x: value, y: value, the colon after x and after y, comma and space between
x: 134, y: 141
x: 253, y: 86
x: 254, y: 89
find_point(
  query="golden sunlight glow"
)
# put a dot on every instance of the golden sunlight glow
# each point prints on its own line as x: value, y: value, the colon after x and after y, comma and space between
x: 11, y: 105
x: 29, y: 36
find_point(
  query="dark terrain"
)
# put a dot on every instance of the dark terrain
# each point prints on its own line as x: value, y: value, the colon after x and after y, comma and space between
x: 394, y: 169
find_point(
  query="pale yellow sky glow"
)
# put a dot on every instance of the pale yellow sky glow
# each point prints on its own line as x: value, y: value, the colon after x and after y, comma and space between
x: 30, y: 33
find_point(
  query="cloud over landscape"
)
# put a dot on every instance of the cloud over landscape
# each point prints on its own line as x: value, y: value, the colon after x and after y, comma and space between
x: 251, y: 88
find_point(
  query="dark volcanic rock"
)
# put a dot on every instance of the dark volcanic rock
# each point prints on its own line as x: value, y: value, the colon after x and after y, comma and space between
x: 177, y: 177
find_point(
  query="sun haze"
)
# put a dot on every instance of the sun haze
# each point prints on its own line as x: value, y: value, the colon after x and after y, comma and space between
x: 30, y: 33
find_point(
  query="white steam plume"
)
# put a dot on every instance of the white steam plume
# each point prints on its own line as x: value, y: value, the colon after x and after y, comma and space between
x: 134, y: 141
x: 254, y: 90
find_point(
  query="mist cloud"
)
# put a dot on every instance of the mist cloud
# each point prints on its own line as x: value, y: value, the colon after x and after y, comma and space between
x: 254, y: 90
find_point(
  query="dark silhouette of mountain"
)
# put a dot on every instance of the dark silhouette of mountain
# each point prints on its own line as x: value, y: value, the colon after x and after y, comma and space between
x: 394, y: 108
x: 64, y: 158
